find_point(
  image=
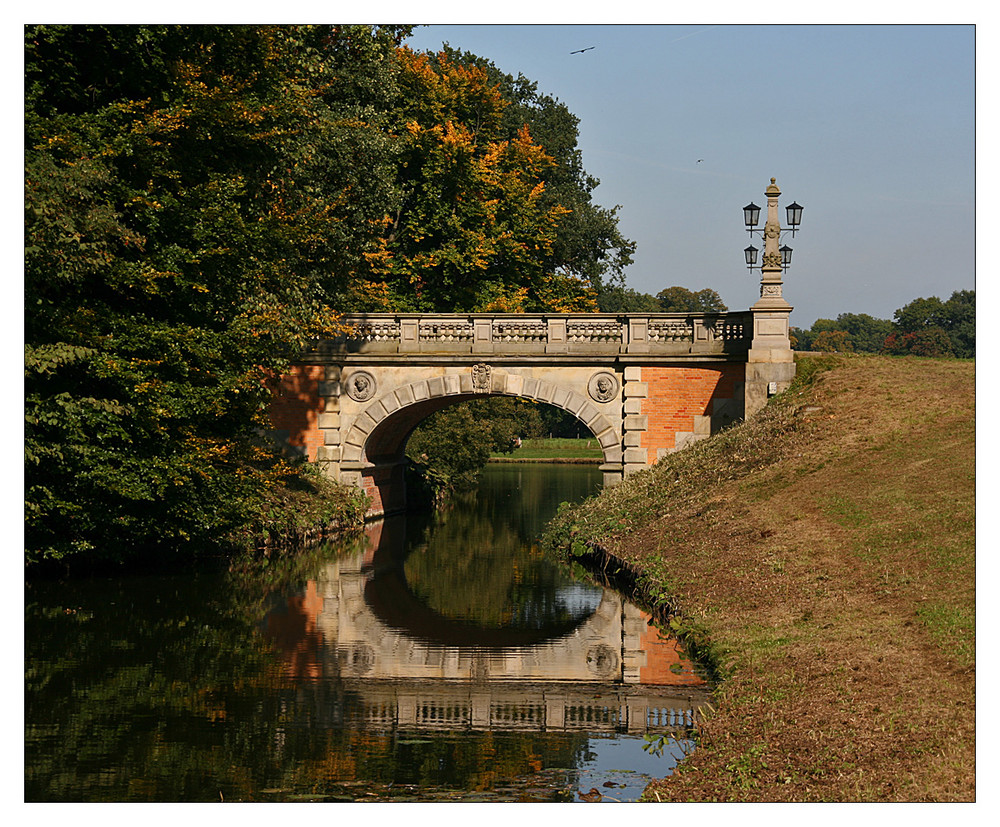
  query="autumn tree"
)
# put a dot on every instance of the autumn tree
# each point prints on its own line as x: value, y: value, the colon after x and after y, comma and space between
x: 929, y: 341
x: 589, y: 245
x: 496, y: 210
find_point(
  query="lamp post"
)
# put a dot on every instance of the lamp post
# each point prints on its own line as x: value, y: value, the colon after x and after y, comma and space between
x: 776, y: 259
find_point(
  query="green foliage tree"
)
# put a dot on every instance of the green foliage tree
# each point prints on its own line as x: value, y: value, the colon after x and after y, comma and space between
x: 924, y: 327
x: 192, y: 197
x: 833, y: 341
x: 865, y: 333
x: 800, y: 339
x: 919, y: 314
x: 682, y: 300
x: 956, y: 317
x: 451, y: 446
x: 613, y: 298
x: 201, y: 202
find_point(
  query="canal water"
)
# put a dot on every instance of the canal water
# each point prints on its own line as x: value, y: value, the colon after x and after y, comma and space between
x: 433, y: 658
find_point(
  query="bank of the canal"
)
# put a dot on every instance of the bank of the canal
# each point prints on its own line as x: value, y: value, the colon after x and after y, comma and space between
x: 553, y: 449
x: 822, y: 557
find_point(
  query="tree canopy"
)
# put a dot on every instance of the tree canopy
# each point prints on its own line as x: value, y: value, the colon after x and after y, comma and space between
x: 495, y: 210
x: 681, y: 300
x: 616, y: 298
x: 190, y: 192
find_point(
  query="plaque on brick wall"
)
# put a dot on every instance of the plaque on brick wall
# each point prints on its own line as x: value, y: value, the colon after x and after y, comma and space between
x: 361, y: 386
x: 603, y: 387
x: 481, y: 376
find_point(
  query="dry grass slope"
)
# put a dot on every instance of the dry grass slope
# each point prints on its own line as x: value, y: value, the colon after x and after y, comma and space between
x: 822, y: 557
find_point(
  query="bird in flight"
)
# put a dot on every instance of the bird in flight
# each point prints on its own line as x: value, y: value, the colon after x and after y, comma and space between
x: 581, y: 51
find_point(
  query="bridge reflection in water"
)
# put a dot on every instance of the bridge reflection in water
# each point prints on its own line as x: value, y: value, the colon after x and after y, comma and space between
x: 592, y: 663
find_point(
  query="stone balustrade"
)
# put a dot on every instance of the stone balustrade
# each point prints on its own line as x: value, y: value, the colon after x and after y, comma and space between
x: 378, y: 705
x: 584, y: 334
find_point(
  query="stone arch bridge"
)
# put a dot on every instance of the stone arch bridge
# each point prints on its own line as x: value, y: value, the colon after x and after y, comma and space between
x: 644, y: 384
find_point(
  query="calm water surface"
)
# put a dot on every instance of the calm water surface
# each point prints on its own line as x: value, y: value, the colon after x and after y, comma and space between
x: 434, y: 658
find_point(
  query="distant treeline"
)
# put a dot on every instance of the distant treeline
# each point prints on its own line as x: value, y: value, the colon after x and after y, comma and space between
x: 615, y: 298
x: 924, y: 327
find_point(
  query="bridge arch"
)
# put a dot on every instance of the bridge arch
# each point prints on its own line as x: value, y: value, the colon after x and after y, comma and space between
x: 373, y: 447
x: 381, y: 431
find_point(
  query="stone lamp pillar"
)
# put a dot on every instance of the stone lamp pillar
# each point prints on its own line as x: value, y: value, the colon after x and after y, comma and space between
x: 770, y: 362
x: 771, y: 269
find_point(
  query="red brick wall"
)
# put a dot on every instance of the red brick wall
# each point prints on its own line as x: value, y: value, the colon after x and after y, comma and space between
x: 677, y: 395
x: 386, y: 485
x: 666, y: 663
x: 297, y: 406
x: 371, y: 484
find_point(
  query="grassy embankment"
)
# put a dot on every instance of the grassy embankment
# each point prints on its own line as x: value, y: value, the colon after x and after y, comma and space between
x: 553, y: 449
x: 821, y: 559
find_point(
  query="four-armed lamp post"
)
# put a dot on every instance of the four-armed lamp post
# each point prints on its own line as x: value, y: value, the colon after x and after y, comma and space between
x: 776, y: 259
x: 770, y: 361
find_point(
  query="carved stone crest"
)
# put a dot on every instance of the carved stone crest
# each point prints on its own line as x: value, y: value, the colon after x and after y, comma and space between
x: 603, y: 387
x: 361, y: 386
x: 481, y: 378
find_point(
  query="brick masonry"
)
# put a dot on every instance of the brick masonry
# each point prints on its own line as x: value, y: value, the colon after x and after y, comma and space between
x: 296, y: 409
x: 663, y: 409
x: 680, y: 405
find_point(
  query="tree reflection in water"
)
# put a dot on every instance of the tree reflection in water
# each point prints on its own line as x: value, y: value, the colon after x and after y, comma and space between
x: 165, y: 689
x: 480, y: 564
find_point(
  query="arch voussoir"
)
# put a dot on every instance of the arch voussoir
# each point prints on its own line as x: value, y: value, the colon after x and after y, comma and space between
x: 374, y: 455
x: 504, y: 383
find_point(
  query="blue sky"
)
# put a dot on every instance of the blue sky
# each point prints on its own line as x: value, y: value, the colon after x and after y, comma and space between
x: 871, y: 128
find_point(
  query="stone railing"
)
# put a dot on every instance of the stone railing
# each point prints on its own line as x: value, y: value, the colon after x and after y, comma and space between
x: 566, y: 333
x: 520, y: 706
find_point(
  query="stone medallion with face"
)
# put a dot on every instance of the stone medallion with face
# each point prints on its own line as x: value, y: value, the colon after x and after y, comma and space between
x: 603, y: 387
x: 361, y: 386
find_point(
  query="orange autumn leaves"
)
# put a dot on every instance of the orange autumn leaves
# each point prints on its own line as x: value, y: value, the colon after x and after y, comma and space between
x: 473, y: 232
